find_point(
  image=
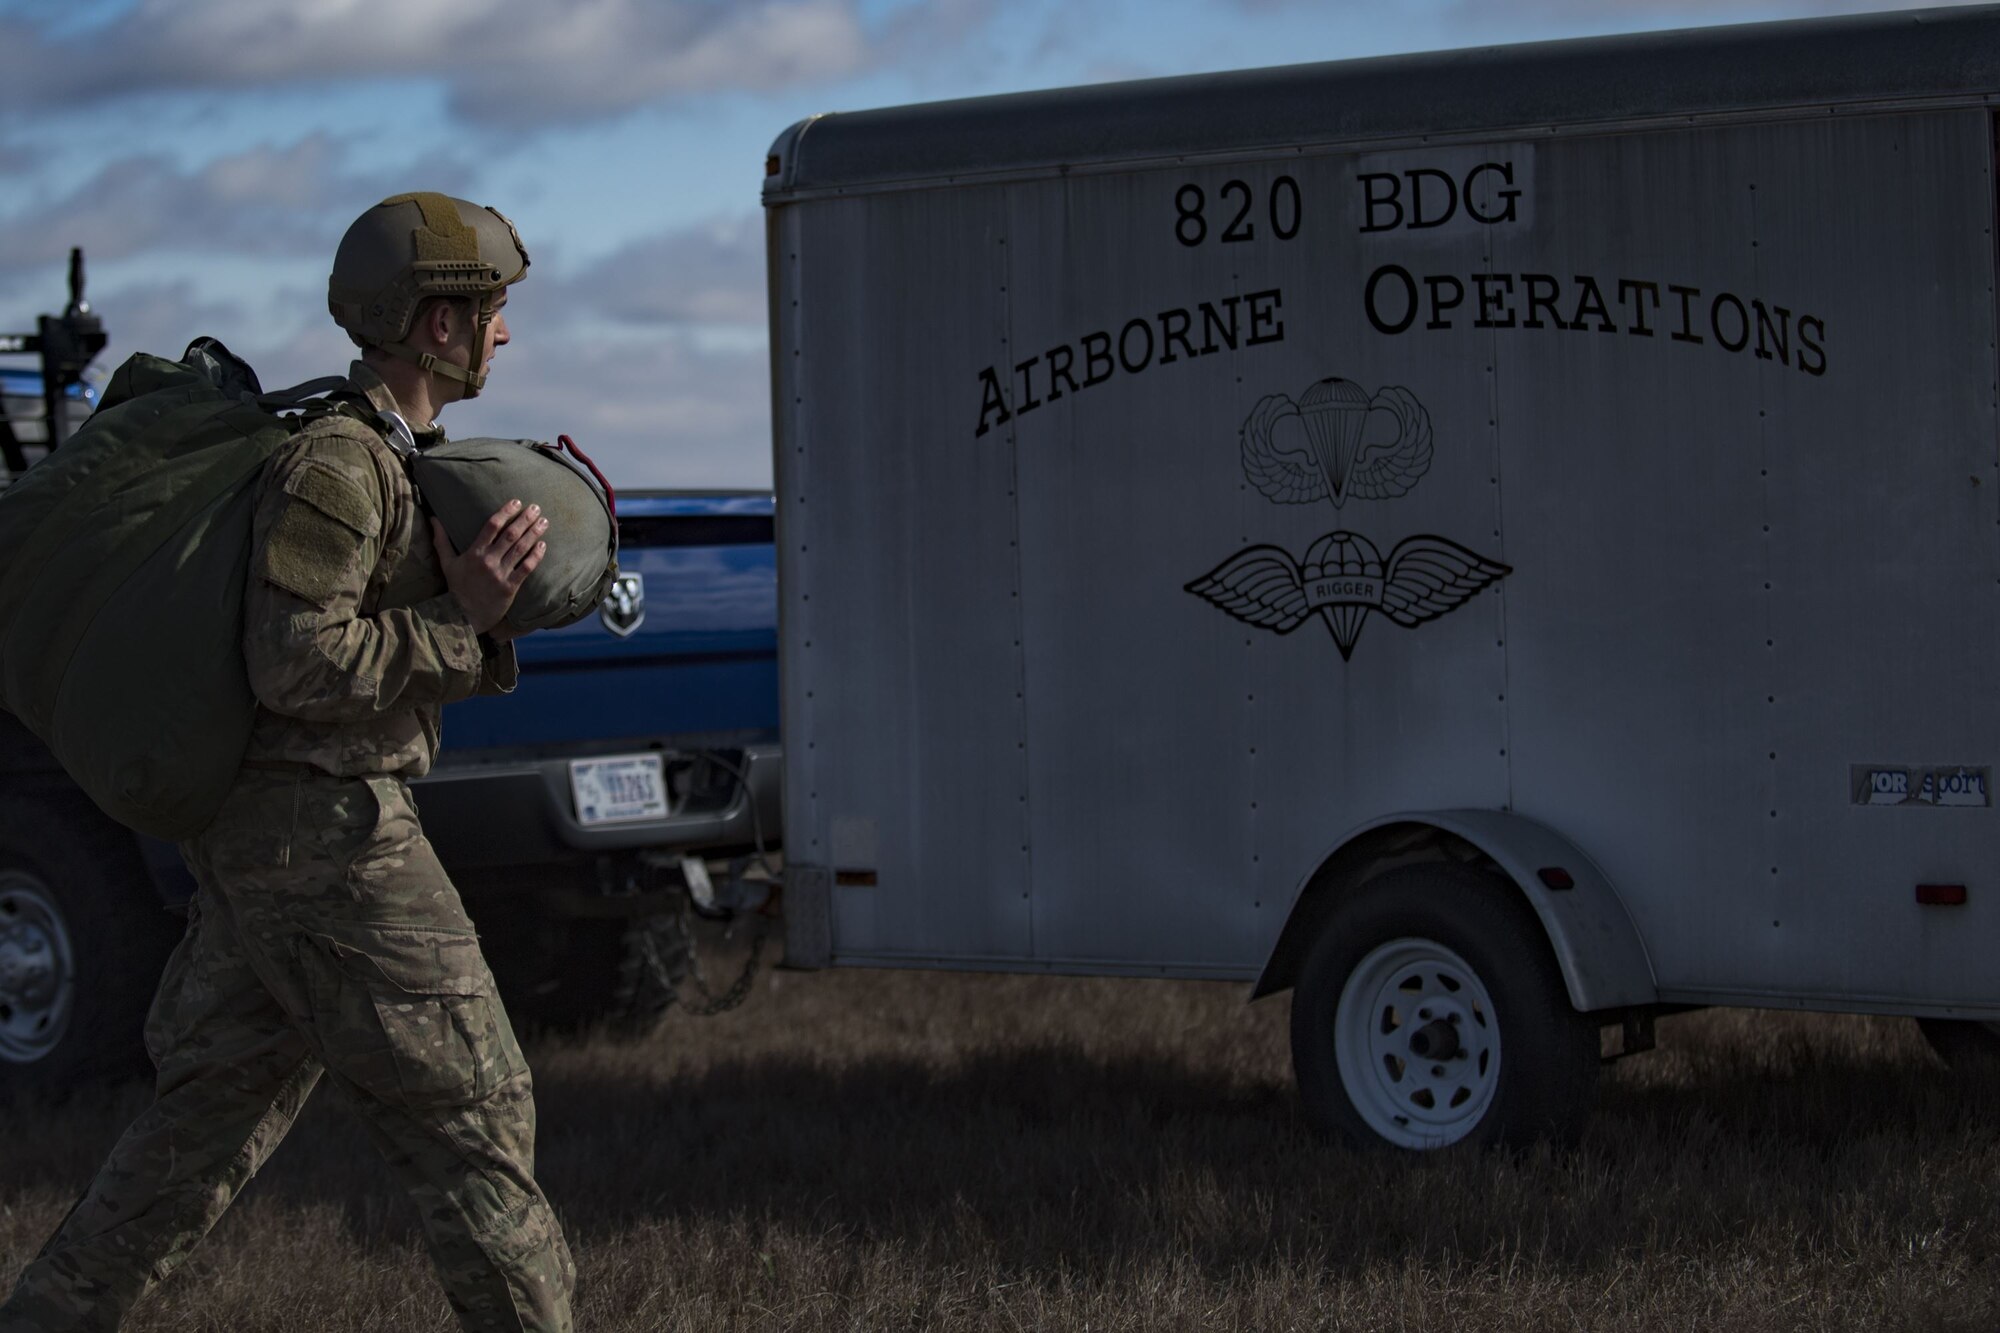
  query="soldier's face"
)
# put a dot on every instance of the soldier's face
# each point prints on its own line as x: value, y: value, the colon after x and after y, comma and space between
x: 483, y: 340
x: 496, y: 334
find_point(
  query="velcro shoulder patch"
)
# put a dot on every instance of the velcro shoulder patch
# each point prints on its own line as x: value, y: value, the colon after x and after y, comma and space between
x: 309, y: 554
x: 311, y: 550
x: 336, y: 495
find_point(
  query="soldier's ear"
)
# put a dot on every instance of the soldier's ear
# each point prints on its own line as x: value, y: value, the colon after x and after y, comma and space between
x: 443, y: 319
x: 437, y: 319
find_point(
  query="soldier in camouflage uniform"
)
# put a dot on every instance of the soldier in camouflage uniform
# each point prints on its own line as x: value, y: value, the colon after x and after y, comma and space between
x: 325, y: 940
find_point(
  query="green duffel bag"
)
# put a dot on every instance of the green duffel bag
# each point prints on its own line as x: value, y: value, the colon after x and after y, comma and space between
x: 122, y: 561
x: 464, y: 482
x: 123, y: 557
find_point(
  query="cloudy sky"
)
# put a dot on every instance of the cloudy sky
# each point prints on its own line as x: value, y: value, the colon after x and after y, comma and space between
x: 207, y: 154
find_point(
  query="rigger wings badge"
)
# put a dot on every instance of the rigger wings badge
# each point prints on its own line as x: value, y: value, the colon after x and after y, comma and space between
x: 1343, y: 575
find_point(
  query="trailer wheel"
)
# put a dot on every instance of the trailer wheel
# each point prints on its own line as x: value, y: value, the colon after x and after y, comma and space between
x: 1967, y: 1046
x: 1431, y: 1011
x: 82, y: 941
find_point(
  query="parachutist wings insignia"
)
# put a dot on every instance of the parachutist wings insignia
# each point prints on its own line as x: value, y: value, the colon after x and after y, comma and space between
x: 1330, y: 457
x: 1428, y: 576
x: 1328, y: 444
x: 1288, y: 478
x: 1260, y: 586
x: 1386, y: 471
x: 1343, y: 577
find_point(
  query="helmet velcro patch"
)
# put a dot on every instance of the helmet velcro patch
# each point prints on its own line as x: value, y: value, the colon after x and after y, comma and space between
x: 444, y: 234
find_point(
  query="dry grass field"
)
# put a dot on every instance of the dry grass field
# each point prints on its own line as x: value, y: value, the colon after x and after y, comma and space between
x: 925, y: 1151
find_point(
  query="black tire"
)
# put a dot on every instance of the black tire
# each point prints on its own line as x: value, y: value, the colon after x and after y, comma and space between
x: 1968, y: 1047
x: 1519, y: 1067
x: 574, y: 975
x: 83, y: 937
x: 658, y: 952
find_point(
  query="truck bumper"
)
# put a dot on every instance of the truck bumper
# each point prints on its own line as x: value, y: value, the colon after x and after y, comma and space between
x: 521, y: 812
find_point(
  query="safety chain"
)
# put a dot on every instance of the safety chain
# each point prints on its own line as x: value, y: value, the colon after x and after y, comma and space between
x: 739, y: 989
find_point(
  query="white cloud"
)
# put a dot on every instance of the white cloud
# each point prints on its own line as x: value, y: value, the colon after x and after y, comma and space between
x: 665, y: 411
x: 708, y: 274
x: 161, y: 318
x: 505, y: 63
x: 654, y: 407
x: 262, y: 200
x: 1703, y: 11
x: 654, y: 412
x: 1611, y: 11
x: 652, y: 358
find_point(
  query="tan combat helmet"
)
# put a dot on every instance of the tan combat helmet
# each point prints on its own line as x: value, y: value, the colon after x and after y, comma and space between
x: 411, y: 246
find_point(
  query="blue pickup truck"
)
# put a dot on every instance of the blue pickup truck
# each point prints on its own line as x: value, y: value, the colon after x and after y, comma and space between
x: 633, y: 774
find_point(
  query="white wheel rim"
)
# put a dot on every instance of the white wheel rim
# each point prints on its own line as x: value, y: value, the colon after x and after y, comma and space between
x: 1417, y: 1043
x: 37, y: 970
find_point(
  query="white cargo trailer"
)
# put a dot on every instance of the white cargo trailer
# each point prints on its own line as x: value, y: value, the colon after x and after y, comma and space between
x: 1505, y: 542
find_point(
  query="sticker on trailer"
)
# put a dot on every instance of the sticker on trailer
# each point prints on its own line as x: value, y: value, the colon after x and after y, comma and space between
x: 1947, y: 785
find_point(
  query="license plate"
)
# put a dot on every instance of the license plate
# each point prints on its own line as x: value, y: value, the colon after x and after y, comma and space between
x: 617, y: 788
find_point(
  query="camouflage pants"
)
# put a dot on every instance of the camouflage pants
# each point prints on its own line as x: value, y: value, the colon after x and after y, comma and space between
x: 325, y: 939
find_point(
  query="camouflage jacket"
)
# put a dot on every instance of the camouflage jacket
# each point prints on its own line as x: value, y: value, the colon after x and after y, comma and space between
x: 353, y: 643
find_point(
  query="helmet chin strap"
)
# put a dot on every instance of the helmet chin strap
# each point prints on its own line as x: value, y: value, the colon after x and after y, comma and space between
x: 431, y: 364
x: 473, y: 380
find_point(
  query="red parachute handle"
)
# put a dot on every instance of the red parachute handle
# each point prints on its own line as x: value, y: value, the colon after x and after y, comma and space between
x: 610, y: 496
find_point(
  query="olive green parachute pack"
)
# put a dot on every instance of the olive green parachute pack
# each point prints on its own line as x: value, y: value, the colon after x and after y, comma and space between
x: 464, y: 482
x: 123, y: 558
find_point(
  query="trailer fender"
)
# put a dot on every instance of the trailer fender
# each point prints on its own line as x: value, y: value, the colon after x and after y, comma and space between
x: 1603, y: 959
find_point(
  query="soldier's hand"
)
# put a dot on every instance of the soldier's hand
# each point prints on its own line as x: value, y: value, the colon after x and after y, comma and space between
x: 485, y: 576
